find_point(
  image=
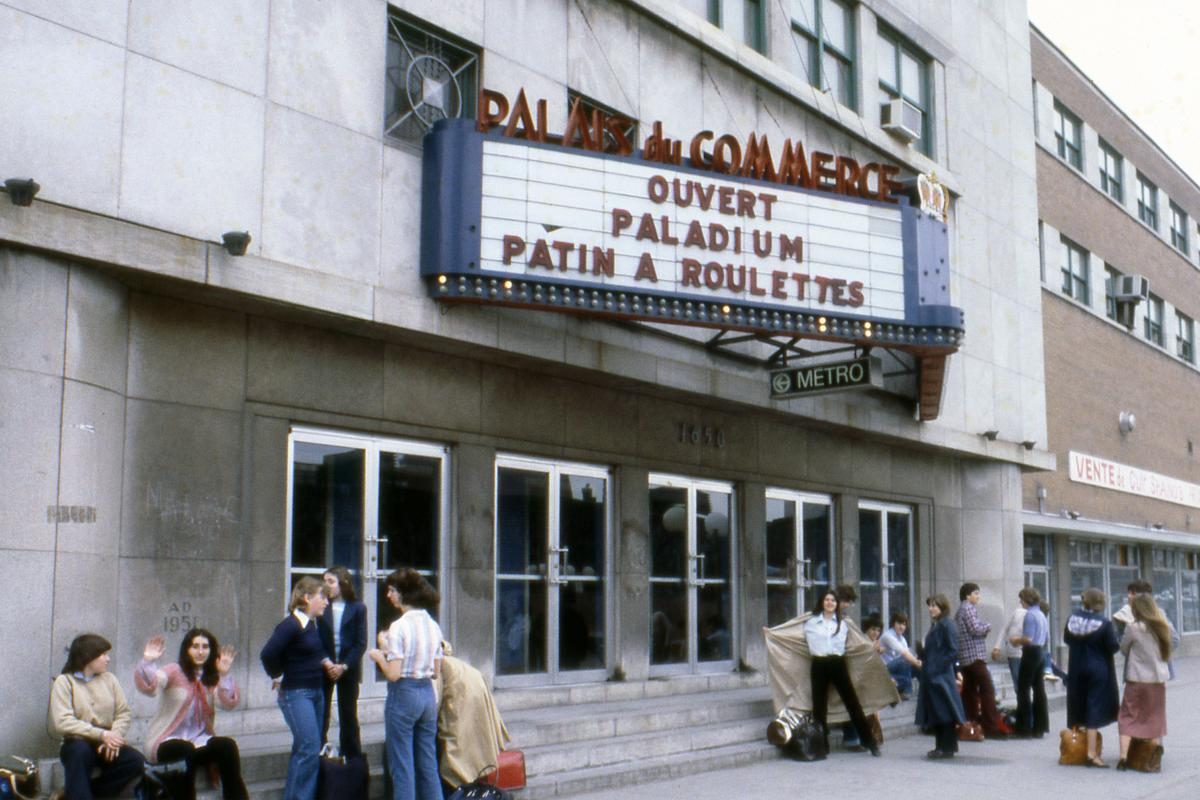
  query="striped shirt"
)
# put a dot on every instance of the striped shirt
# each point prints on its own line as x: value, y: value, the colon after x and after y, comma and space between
x: 417, y: 640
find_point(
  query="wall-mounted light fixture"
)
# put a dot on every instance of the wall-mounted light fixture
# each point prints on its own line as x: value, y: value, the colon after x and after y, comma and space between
x: 990, y: 435
x: 1127, y: 421
x: 1028, y: 444
x: 22, y: 190
x: 236, y: 242
x: 1158, y: 526
x: 1073, y: 514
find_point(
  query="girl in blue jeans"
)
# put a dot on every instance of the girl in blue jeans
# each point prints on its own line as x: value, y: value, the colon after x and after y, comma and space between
x: 410, y: 656
x: 295, y: 658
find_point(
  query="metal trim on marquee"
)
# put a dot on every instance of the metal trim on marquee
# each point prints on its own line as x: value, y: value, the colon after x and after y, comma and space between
x: 519, y: 221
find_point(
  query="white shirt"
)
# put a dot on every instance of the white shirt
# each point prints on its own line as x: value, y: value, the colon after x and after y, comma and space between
x: 338, y: 607
x: 304, y: 618
x: 822, y: 638
x: 894, y: 645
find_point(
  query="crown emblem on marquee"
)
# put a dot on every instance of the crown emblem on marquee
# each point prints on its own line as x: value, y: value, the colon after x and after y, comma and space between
x: 935, y: 200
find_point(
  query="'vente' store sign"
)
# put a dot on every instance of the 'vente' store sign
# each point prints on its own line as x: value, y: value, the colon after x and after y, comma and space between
x: 738, y: 235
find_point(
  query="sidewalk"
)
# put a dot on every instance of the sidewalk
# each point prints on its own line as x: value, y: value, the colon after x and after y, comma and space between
x: 1001, y: 769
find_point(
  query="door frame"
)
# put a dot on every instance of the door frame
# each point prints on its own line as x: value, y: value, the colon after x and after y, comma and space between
x: 693, y: 665
x: 367, y: 570
x: 800, y: 498
x: 553, y: 468
x: 883, y: 580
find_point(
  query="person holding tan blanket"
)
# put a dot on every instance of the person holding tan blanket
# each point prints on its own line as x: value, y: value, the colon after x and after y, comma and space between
x: 470, y: 731
x: 790, y: 661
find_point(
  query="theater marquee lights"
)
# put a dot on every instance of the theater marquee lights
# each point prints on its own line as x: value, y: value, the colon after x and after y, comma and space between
x: 740, y: 235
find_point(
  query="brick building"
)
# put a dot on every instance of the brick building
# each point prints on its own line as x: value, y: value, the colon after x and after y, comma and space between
x: 1124, y: 501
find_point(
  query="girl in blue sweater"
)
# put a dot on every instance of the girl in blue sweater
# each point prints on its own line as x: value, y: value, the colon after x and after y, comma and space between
x: 295, y: 658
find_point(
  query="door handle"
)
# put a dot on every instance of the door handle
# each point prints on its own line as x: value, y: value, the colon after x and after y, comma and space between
x: 555, y: 567
x: 806, y: 581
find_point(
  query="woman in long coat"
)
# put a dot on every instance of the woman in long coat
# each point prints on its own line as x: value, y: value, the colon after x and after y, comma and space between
x: 1092, y: 696
x: 938, y: 704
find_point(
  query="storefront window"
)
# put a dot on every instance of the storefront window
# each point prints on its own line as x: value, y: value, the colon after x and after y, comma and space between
x: 1123, y: 569
x: 1087, y: 568
x: 1189, y: 591
x: 1164, y: 579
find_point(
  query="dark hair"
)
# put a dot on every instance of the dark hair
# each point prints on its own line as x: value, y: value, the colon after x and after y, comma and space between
x: 208, y: 672
x: 942, y: 602
x: 845, y: 593
x: 85, y: 648
x: 1140, y: 587
x: 965, y: 590
x: 1029, y: 596
x: 898, y: 616
x: 818, y: 608
x: 345, y: 583
x: 414, y: 590
x: 872, y: 622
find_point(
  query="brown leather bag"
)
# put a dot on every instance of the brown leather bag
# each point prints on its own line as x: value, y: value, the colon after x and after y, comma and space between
x: 1072, y: 746
x: 1144, y: 756
x: 970, y: 731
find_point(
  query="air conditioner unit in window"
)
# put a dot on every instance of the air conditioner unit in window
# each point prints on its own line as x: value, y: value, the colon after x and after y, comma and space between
x: 1131, y: 289
x: 901, y: 119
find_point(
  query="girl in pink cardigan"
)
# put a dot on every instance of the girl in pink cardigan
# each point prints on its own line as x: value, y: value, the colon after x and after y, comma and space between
x: 182, y: 730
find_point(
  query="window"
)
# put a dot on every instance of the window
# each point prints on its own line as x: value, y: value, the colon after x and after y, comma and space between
x: 1189, y: 591
x: 741, y: 19
x: 904, y: 73
x: 1111, y: 280
x: 1175, y: 582
x: 1087, y: 567
x: 1147, y: 202
x: 824, y: 34
x: 885, y: 560
x: 1185, y: 337
x: 429, y: 77
x: 1112, y: 168
x: 1075, y: 271
x: 1154, y: 319
x: 1067, y: 136
x: 628, y: 127
x: 1179, y: 229
x: 800, y: 548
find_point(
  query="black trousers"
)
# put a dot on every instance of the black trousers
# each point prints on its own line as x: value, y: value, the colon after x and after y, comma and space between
x: 1032, y: 714
x: 945, y: 737
x: 220, y: 751
x: 828, y: 670
x: 79, y: 757
x: 347, y: 700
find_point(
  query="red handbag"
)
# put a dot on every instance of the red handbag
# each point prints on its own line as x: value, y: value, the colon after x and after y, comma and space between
x: 509, y: 772
x: 970, y: 731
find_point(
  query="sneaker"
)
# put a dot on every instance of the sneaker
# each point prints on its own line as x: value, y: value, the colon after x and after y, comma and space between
x: 1050, y: 676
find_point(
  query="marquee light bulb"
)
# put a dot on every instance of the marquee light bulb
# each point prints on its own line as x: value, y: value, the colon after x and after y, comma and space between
x: 442, y: 280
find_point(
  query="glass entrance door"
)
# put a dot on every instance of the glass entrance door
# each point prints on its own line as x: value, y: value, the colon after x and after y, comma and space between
x: 691, y: 569
x: 552, y: 540
x: 371, y: 505
x: 799, y: 547
x: 885, y: 560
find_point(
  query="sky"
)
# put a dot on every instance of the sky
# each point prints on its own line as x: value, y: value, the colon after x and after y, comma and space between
x: 1145, y: 55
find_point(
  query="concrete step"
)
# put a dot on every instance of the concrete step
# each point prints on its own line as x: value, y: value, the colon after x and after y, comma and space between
x: 533, y: 728
x: 516, y: 699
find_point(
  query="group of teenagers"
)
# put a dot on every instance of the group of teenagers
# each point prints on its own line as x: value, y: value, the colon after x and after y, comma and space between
x: 955, y: 686
x: 313, y: 654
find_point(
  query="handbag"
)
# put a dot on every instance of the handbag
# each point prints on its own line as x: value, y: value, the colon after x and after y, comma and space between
x: 157, y: 779
x: 1144, y: 756
x: 19, y: 778
x: 808, y: 741
x: 970, y: 731
x: 342, y: 777
x: 479, y: 789
x: 509, y: 772
x: 1072, y: 746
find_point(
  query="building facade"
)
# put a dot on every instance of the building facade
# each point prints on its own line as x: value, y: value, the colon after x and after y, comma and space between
x: 187, y: 431
x: 1120, y: 359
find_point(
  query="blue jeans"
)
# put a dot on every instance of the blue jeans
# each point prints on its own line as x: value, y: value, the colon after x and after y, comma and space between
x: 410, y: 725
x: 1014, y: 669
x: 901, y: 672
x: 304, y: 712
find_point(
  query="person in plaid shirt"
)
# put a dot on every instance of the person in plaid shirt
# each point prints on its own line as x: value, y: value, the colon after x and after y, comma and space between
x: 978, y: 694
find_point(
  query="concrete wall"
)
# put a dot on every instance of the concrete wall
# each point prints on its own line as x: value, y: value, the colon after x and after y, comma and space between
x: 170, y: 419
x: 268, y: 117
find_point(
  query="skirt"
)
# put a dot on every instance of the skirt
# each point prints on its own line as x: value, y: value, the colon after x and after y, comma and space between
x: 1143, y: 712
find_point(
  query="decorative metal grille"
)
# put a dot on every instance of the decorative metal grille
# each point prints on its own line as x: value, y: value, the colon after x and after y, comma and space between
x: 429, y: 77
